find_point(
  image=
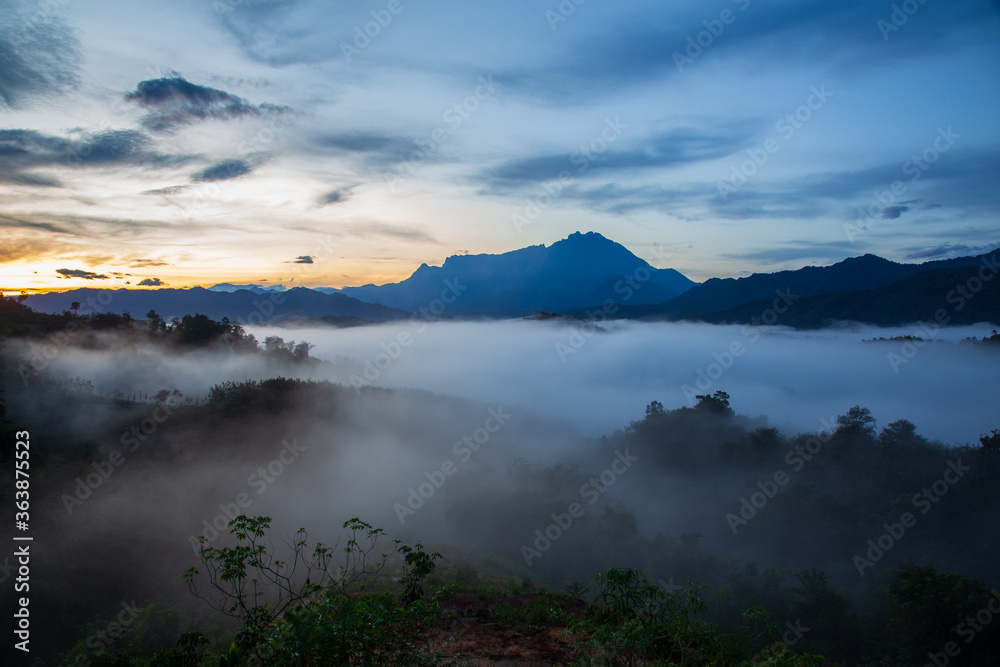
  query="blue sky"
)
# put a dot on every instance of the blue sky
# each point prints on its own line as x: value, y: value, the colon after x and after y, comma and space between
x: 332, y: 143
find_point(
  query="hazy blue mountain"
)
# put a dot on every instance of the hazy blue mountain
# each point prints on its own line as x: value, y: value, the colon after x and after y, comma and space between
x: 239, y: 306
x: 855, y: 274
x: 259, y: 289
x: 578, y: 272
x: 574, y: 276
x: 933, y: 296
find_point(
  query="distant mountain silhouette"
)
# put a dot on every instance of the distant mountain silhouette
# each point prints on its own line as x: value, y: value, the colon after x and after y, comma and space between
x: 920, y: 298
x: 239, y: 306
x: 578, y: 272
x: 865, y: 289
x: 259, y: 289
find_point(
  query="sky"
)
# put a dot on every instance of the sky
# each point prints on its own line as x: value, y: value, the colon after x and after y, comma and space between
x: 309, y: 143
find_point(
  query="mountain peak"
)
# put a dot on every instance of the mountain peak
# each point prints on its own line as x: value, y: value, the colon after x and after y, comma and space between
x: 580, y: 270
x: 585, y: 239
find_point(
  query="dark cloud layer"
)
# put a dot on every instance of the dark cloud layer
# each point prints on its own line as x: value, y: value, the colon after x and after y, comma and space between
x: 643, y: 47
x: 80, y: 273
x: 948, y: 249
x: 151, y: 282
x: 174, y: 102
x: 333, y: 197
x: 39, y: 54
x: 223, y: 171
x: 22, y: 151
x: 677, y: 147
x: 374, y: 149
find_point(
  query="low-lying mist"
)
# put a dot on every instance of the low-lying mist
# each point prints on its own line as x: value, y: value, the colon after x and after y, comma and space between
x: 478, y: 436
x: 597, y: 379
x: 600, y: 379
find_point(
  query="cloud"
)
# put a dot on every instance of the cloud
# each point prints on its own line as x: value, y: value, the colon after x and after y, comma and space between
x: 79, y: 273
x: 151, y: 282
x: 223, y: 171
x: 24, y: 150
x: 145, y: 263
x: 893, y: 212
x: 24, y: 222
x: 92, y: 228
x: 378, y: 149
x: 964, y: 178
x: 302, y: 259
x: 113, y: 146
x: 948, y: 249
x: 39, y: 55
x: 375, y: 228
x: 28, y: 246
x: 673, y: 148
x: 823, y: 254
x: 333, y: 197
x: 167, y: 191
x: 643, y: 44
x: 34, y: 179
x: 174, y: 102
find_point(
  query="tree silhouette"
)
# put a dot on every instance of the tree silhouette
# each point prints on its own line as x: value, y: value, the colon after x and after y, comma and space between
x: 156, y: 322
x: 717, y: 403
x: 858, y: 420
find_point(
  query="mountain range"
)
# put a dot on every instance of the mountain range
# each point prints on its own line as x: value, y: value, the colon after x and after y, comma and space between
x: 867, y: 289
x: 584, y: 271
x: 243, y: 306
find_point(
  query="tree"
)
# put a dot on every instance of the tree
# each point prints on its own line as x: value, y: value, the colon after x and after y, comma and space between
x: 858, y: 420
x: 991, y: 443
x: 156, y: 322
x: 929, y: 609
x: 274, y: 343
x: 75, y: 307
x: 654, y: 409
x: 823, y: 610
x: 900, y: 434
x: 717, y: 403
